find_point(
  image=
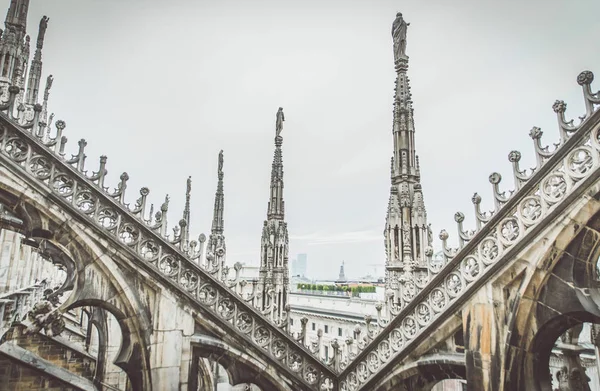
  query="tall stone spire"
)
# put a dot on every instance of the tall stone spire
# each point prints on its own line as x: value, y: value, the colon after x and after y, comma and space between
x: 16, y: 17
x: 216, y: 249
x: 184, y: 223
x: 14, y: 46
x: 407, y: 235
x: 276, y: 204
x: 35, y: 73
x: 218, y: 223
x: 273, y: 272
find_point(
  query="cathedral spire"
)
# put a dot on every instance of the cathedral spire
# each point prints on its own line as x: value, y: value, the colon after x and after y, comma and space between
x: 216, y: 249
x: 276, y: 204
x: 14, y: 46
x: 218, y: 221
x: 273, y: 272
x: 406, y: 233
x: 35, y: 73
x: 16, y: 17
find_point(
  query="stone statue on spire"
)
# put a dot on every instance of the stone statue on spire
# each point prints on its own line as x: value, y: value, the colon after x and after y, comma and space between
x: 399, y: 28
x: 42, y: 30
x: 279, y: 121
x: 220, y: 162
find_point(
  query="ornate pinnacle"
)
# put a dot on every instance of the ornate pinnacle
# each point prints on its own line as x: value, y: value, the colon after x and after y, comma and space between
x: 218, y: 221
x: 275, y: 207
x: 186, y: 210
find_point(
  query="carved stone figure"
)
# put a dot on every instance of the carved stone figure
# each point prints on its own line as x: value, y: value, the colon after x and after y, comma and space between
x: 406, y: 235
x: 221, y: 161
x: 45, y: 316
x: 279, y: 118
x: 429, y: 234
x: 42, y: 30
x: 399, y: 28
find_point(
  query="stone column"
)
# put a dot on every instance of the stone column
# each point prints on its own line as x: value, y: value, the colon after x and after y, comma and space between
x: 171, y: 351
x: 481, y: 347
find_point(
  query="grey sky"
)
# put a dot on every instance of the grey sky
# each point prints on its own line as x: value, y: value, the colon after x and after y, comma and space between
x: 161, y: 86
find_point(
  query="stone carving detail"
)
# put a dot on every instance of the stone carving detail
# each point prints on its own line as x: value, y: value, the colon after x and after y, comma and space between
x: 489, y: 250
x: 45, y: 315
x: 531, y: 209
x: 470, y: 268
x: 554, y: 187
x: 509, y: 230
x: 399, y: 28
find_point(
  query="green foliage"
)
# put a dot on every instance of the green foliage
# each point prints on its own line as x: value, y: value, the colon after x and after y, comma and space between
x: 354, y: 291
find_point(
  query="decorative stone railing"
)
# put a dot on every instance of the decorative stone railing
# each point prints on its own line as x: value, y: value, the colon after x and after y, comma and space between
x: 558, y: 178
x: 28, y: 146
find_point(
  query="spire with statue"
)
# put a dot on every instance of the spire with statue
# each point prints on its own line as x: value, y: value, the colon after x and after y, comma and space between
x: 408, y: 238
x: 273, y: 272
x: 16, y: 69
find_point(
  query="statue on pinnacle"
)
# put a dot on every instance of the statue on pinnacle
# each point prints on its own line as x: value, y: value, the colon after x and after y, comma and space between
x: 220, y: 168
x: 399, y: 28
x: 42, y: 30
x: 279, y: 121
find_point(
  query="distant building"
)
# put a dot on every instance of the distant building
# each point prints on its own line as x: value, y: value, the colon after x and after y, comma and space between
x: 299, y: 266
x: 342, y: 277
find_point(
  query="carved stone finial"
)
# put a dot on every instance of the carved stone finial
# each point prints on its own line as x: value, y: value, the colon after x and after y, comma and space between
x: 535, y: 133
x: 459, y: 217
x: 585, y: 78
x: 476, y: 199
x: 444, y: 235
x: 495, y: 178
x: 559, y: 106
x: 165, y: 206
x: 514, y: 156
x: 60, y: 124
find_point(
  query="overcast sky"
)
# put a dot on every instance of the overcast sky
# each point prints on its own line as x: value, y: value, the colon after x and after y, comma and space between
x: 161, y: 86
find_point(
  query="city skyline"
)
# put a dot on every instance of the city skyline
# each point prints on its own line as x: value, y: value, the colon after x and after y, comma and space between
x: 335, y: 83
